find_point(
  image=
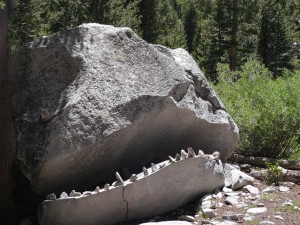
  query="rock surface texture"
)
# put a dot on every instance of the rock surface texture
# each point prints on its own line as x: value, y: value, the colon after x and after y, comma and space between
x: 154, y: 191
x: 98, y: 99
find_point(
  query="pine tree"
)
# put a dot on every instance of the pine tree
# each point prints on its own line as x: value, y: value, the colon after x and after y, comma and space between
x: 116, y: 12
x: 160, y: 23
x: 275, y: 46
x: 190, y: 24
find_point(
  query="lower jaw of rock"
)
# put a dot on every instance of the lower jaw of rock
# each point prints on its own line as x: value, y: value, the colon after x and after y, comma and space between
x: 158, y: 189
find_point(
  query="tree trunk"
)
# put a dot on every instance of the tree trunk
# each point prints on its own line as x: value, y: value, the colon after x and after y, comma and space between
x: 7, y: 130
x: 233, y: 48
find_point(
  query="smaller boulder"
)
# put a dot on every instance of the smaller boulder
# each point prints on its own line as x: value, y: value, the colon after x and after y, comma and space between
x: 235, y: 178
x: 251, y: 189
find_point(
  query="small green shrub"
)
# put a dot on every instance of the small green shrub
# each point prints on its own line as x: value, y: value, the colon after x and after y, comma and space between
x: 274, y: 173
x: 267, y: 111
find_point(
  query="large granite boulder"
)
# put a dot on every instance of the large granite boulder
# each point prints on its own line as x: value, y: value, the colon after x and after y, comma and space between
x: 98, y: 99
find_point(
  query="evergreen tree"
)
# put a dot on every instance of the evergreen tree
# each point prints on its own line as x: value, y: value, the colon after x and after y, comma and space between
x: 26, y: 22
x: 275, y: 46
x: 116, y: 12
x: 190, y: 24
x: 160, y: 23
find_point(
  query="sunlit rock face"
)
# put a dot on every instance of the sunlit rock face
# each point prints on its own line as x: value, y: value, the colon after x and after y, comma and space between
x: 98, y: 99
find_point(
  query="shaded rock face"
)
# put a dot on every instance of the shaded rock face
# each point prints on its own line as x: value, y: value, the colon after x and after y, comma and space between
x: 98, y: 99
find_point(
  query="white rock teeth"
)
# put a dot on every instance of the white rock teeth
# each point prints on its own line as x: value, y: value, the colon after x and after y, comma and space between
x: 133, y: 177
x: 171, y: 160
x: 153, y: 167
x: 119, y: 178
x: 87, y: 193
x: 191, y: 153
x: 201, y: 153
x: 116, y: 184
x: 216, y: 155
x: 97, y: 189
x: 162, y: 165
x: 73, y: 193
x: 51, y: 197
x: 177, y: 157
x: 146, y: 173
x: 184, y: 155
x: 106, y: 187
x: 63, y: 195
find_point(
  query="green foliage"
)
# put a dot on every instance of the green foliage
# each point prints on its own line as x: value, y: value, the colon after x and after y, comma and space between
x: 275, y: 45
x: 274, y: 173
x: 2, y: 4
x: 267, y: 111
x: 160, y: 23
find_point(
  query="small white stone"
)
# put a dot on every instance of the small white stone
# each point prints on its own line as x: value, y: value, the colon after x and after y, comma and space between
x: 283, y: 189
x: 186, y: 218
x: 206, y: 204
x: 257, y: 210
x: 232, y: 193
x: 248, y: 218
x: 278, y: 217
x: 226, y: 223
x: 225, y: 189
x: 287, y: 204
x: 268, y: 190
x: 296, y: 208
x: 266, y: 222
x: 209, y: 213
x: 251, y: 189
x: 231, y: 200
x: 206, y: 197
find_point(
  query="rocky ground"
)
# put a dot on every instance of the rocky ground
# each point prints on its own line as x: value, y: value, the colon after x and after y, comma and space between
x: 258, y: 203
x: 254, y: 203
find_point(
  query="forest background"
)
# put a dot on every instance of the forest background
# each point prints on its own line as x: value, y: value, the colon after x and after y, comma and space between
x: 248, y: 49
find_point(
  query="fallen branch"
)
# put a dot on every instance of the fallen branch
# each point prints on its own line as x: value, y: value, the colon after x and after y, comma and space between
x: 288, y: 175
x: 260, y: 161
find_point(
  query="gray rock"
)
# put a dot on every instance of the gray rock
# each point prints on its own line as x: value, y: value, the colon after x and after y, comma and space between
x: 278, y: 217
x: 206, y: 204
x: 284, y: 189
x: 234, y: 217
x: 209, y: 213
x: 95, y: 99
x: 246, y: 168
x: 257, y: 210
x: 235, y: 178
x: 231, y: 200
x: 251, y: 189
